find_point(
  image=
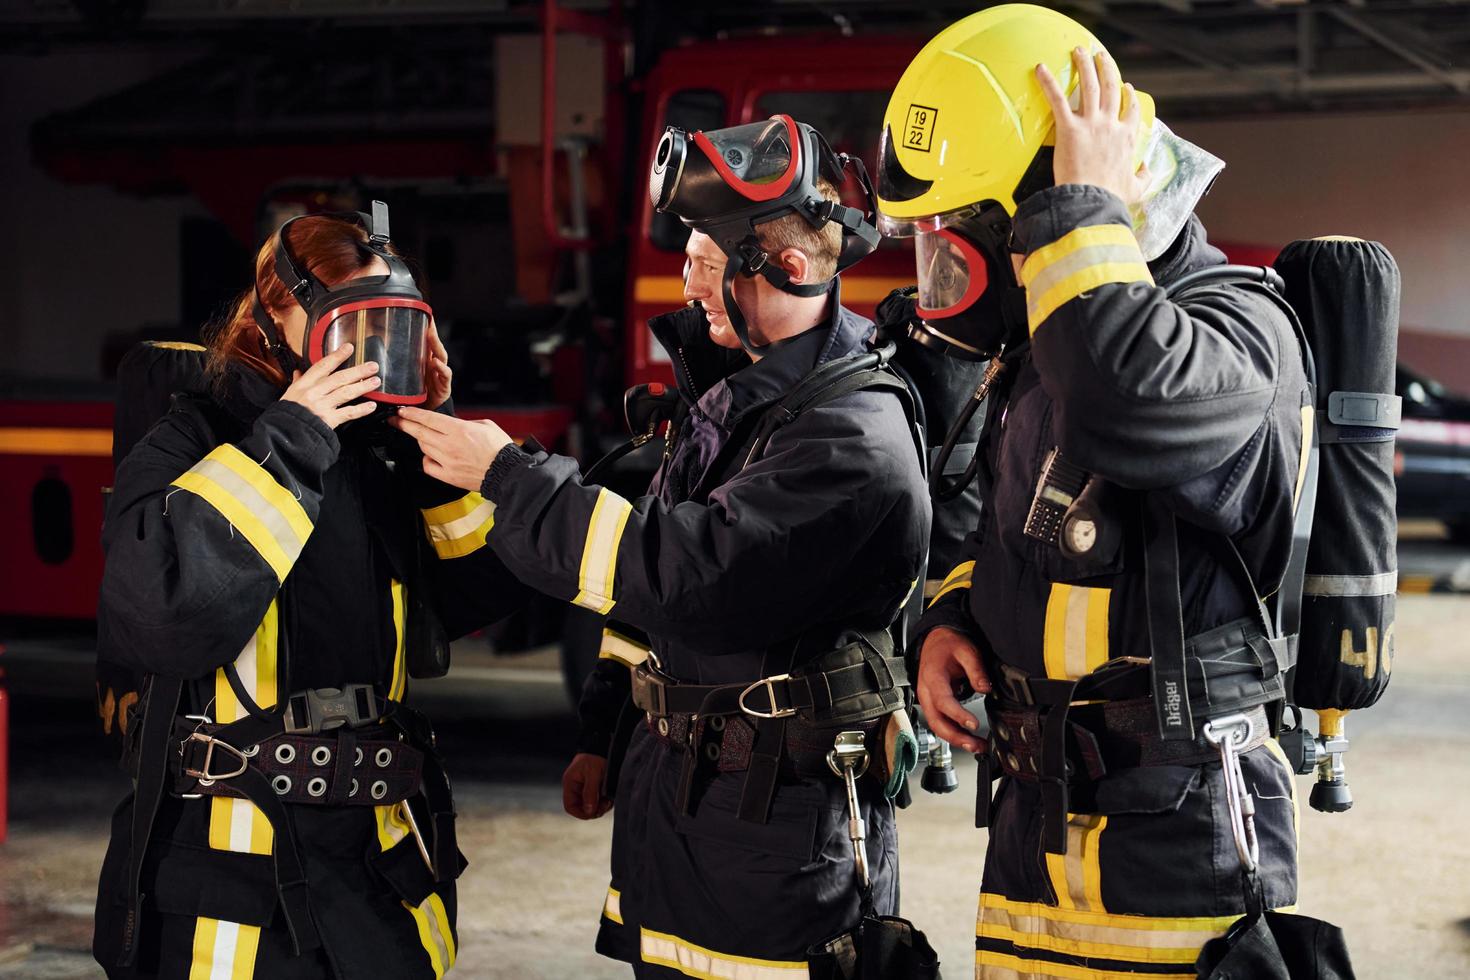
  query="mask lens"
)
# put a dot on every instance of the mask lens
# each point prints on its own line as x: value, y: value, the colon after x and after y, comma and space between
x: 952, y: 273
x: 753, y: 159
x: 395, y: 336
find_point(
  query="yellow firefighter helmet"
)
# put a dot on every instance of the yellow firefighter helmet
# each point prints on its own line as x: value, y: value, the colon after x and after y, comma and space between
x: 968, y: 117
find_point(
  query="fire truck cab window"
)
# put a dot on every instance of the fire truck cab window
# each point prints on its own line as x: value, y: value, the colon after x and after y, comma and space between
x: 689, y: 109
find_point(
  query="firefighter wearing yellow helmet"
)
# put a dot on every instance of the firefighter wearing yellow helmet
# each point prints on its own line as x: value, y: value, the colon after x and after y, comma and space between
x: 1140, y: 450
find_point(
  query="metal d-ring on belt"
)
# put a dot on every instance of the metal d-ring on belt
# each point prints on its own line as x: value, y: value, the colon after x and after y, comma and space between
x: 853, y: 683
x: 298, y: 758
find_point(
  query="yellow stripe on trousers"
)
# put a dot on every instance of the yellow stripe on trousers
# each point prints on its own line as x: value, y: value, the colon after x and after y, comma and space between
x: 1077, y: 875
x: 1002, y: 966
x: 663, y: 949
x: 1075, y: 637
x: 1149, y: 941
x: 600, y: 553
x: 612, y: 907
x: 430, y: 916
x: 227, y: 950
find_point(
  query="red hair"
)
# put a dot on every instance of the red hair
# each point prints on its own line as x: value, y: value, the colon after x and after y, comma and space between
x: 331, y: 249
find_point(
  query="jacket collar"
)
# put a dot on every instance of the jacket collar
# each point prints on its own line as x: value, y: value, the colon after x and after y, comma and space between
x: 1190, y: 252
x: 244, y: 393
x: 726, y: 385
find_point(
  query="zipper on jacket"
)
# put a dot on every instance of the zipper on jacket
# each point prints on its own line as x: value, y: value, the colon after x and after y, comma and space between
x: 688, y: 374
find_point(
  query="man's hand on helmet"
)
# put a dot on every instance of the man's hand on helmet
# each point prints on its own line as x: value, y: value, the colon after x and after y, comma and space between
x: 1096, y: 142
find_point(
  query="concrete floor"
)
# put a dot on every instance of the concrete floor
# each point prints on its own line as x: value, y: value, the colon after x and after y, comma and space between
x: 1392, y: 872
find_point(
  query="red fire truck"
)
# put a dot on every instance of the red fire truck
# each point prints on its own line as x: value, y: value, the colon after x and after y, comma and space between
x: 570, y: 361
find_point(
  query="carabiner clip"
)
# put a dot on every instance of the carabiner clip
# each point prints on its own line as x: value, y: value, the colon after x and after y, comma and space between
x: 1229, y: 734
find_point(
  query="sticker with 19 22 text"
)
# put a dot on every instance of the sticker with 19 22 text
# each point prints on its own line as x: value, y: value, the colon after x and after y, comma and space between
x: 918, y: 130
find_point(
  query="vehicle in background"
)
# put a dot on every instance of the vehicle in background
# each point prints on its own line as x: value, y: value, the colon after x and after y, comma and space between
x: 1432, y: 454
x: 555, y: 370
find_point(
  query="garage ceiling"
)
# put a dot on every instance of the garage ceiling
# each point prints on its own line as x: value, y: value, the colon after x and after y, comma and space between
x: 1198, y: 57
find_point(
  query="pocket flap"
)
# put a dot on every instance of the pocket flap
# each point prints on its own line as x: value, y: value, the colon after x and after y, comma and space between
x: 1147, y: 789
x: 201, y: 881
x: 790, y: 832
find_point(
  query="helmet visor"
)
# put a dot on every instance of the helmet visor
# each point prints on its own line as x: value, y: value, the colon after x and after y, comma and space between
x: 389, y: 330
x: 1180, y: 173
x: 952, y: 273
x: 758, y: 160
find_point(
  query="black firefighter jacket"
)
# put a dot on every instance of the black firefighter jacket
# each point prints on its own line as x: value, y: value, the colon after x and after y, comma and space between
x: 254, y: 552
x: 726, y: 569
x: 1203, y: 404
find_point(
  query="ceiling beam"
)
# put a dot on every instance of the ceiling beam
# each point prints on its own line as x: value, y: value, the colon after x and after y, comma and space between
x: 1416, y: 52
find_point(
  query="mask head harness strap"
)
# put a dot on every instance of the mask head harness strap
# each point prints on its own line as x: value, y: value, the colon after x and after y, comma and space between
x: 311, y: 294
x: 708, y: 195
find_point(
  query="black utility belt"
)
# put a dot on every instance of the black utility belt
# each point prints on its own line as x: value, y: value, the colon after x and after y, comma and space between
x: 725, y: 742
x: 854, y: 683
x: 1231, y: 668
x: 344, y: 768
x: 1100, y: 739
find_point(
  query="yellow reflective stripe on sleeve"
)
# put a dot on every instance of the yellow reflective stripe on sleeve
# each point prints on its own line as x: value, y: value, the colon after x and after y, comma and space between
x: 460, y: 527
x: 617, y: 647
x: 662, y: 949
x: 612, y: 908
x: 236, y: 824
x: 262, y: 510
x: 223, y: 950
x: 1077, y: 875
x: 1003, y: 966
x: 398, y: 597
x: 959, y: 578
x: 1080, y: 260
x: 600, y: 553
x: 1075, y: 635
x: 280, y: 499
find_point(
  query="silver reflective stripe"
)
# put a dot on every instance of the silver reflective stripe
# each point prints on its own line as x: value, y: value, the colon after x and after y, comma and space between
x: 1339, y: 585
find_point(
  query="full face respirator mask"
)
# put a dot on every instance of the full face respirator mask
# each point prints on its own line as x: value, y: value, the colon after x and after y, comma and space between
x: 385, y: 318
x: 726, y: 182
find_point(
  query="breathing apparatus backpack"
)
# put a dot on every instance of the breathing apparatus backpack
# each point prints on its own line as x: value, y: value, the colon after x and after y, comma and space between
x: 148, y: 376
x: 1335, y: 606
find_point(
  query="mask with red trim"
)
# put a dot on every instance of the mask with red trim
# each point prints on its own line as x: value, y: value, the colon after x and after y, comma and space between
x: 725, y: 182
x: 385, y: 318
x: 968, y: 298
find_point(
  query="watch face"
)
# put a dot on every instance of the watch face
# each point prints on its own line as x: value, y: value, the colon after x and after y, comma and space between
x: 1081, y: 535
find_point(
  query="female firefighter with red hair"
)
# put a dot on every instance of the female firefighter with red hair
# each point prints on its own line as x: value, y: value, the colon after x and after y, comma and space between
x: 277, y: 566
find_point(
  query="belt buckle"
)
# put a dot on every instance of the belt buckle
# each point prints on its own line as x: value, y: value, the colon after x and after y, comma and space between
x: 205, y: 775
x: 649, y: 691
x: 318, y: 710
x: 769, y: 683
